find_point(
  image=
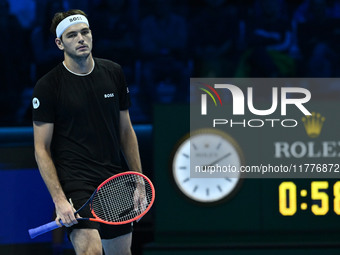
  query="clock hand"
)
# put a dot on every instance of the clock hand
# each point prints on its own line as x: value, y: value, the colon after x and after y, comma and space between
x: 218, y: 160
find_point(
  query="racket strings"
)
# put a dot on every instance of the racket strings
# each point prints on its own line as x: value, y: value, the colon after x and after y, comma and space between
x: 122, y: 198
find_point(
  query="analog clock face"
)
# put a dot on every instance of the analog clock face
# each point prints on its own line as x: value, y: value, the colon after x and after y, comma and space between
x: 207, y: 150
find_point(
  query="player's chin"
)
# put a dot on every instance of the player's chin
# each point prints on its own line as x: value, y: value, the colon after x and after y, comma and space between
x: 83, y: 54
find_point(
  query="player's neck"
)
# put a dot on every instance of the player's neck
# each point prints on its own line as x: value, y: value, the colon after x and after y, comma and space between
x: 79, y: 65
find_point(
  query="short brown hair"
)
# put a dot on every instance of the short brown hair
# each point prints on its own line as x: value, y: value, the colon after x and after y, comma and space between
x: 59, y: 16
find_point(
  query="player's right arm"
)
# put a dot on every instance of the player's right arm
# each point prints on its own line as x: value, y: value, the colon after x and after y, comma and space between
x: 43, y: 133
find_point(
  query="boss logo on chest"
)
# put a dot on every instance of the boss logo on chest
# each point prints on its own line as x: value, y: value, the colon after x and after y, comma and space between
x: 109, y: 95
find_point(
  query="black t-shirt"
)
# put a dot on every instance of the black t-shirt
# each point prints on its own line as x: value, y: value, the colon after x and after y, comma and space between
x: 85, y: 112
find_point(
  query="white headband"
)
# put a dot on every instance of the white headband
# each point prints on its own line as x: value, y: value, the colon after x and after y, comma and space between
x: 69, y: 21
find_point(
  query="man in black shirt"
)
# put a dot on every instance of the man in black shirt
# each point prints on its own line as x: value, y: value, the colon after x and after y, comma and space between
x: 81, y: 122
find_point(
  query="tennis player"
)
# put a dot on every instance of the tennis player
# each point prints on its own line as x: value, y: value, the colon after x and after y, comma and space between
x: 81, y: 123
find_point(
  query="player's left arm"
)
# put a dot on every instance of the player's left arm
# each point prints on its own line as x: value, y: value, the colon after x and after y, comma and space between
x: 129, y: 143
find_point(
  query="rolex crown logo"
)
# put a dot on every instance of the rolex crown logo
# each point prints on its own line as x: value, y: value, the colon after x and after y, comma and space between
x: 313, y: 124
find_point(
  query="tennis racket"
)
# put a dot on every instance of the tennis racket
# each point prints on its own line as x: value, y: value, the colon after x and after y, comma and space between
x: 121, y: 199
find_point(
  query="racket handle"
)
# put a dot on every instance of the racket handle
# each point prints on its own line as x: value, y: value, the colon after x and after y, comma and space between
x: 33, y: 232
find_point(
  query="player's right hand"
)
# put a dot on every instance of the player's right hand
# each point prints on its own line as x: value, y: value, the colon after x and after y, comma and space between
x: 65, y: 213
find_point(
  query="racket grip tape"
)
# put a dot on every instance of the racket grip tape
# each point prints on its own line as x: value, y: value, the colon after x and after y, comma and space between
x: 34, y: 232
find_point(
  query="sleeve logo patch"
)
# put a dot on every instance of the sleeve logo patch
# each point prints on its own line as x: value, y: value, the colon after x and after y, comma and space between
x: 35, y: 103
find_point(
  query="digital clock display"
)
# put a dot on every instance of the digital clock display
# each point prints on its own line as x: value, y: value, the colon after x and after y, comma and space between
x: 321, y: 195
x: 296, y: 205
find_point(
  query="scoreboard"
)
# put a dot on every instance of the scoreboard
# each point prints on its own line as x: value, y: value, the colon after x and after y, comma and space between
x: 264, y: 215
